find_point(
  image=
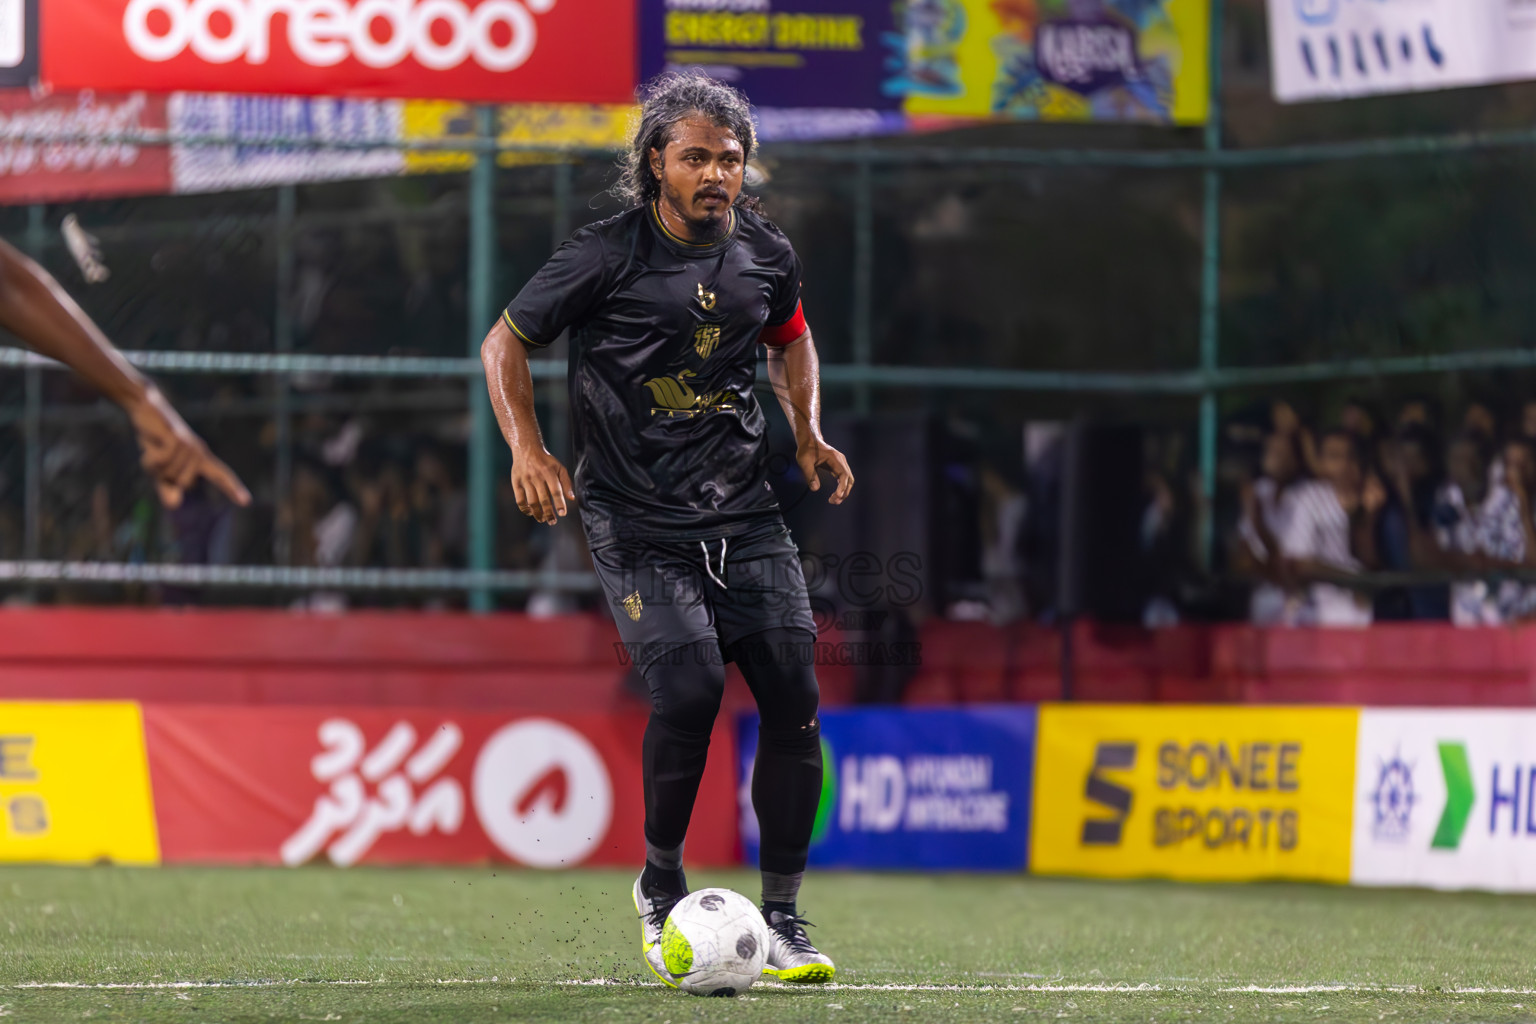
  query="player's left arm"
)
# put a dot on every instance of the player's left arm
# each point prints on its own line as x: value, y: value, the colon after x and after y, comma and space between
x: 38, y: 311
x: 795, y: 372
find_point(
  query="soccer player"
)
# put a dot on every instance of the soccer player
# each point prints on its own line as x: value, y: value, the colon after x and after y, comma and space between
x: 42, y: 315
x: 667, y: 304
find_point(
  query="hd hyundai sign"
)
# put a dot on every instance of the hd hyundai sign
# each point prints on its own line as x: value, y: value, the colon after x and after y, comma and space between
x: 1446, y: 798
x: 915, y: 789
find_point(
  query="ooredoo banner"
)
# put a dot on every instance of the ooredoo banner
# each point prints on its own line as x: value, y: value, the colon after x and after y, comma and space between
x: 74, y: 784
x: 375, y: 785
x: 932, y: 789
x: 579, y: 51
x: 1447, y: 799
x: 1194, y: 792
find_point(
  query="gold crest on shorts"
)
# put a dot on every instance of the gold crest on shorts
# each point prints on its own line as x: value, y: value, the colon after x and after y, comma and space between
x: 634, y: 606
x: 706, y: 339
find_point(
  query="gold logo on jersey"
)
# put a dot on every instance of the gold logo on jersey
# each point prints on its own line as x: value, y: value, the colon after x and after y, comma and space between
x: 706, y: 299
x: 706, y: 339
x: 675, y: 397
x: 633, y: 606
x: 672, y: 394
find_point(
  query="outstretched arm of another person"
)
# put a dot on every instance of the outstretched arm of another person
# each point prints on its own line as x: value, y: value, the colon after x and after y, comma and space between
x: 41, y: 314
x: 539, y: 482
x: 795, y: 372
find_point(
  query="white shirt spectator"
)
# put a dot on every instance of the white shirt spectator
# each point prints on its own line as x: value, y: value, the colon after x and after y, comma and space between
x: 1266, y: 605
x: 1491, y: 528
x: 1317, y: 530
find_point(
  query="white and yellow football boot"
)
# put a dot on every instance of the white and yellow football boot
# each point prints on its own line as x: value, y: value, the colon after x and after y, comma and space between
x: 791, y: 957
x: 653, y: 910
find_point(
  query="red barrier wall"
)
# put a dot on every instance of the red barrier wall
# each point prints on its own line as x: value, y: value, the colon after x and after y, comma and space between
x: 512, y: 662
x: 1392, y: 664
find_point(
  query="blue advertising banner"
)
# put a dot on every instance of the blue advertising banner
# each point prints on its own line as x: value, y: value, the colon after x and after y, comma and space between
x: 829, y: 54
x: 936, y: 789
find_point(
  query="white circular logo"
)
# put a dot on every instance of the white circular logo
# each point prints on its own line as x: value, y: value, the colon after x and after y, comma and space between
x: 542, y: 793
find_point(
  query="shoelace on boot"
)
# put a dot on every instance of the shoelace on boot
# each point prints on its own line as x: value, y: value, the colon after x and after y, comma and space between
x: 792, y: 931
x: 663, y: 904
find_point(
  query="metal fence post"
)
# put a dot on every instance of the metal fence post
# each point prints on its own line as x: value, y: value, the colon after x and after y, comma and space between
x: 1210, y: 300
x: 482, y: 302
x: 863, y: 277
x: 282, y: 343
x: 32, y: 490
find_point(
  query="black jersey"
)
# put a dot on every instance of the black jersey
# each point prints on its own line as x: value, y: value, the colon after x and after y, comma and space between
x: 669, y: 438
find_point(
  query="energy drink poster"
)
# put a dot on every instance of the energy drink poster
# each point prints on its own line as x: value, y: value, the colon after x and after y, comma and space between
x: 806, y: 54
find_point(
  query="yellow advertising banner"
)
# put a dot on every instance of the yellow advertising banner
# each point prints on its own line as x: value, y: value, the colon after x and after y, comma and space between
x: 74, y: 784
x: 1200, y: 793
x: 552, y: 125
x: 1048, y: 60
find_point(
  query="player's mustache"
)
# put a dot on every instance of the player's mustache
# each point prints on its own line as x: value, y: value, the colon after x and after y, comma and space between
x: 711, y: 193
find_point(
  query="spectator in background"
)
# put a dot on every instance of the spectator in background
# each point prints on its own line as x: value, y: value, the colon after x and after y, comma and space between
x: 1481, y: 529
x: 202, y: 533
x: 1517, y: 600
x: 1412, y: 466
x: 1528, y: 419
x: 1480, y: 422
x: 1419, y: 411
x: 1284, y: 420
x: 1358, y: 418
x: 1266, y: 506
x: 1330, y: 532
x: 322, y: 524
x: 442, y: 507
x: 387, y: 533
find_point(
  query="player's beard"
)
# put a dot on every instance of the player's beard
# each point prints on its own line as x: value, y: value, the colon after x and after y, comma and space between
x: 706, y: 229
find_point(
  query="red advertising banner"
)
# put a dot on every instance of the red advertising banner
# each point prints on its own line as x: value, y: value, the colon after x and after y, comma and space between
x: 574, y: 51
x: 34, y: 170
x: 290, y: 785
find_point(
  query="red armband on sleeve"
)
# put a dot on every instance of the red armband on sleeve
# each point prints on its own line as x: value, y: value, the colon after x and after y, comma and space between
x: 786, y: 332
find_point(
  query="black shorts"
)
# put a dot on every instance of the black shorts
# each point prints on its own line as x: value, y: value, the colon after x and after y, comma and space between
x: 667, y: 593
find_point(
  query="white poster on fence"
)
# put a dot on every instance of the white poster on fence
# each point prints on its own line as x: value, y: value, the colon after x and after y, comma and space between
x: 262, y: 123
x: 1329, y: 49
x: 1446, y: 799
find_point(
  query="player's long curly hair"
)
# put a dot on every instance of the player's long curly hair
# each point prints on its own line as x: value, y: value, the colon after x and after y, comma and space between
x: 665, y: 100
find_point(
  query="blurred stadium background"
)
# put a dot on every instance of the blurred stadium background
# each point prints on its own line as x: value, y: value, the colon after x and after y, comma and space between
x: 1064, y: 315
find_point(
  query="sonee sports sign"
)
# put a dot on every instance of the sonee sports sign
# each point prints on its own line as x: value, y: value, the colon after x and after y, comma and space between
x: 1199, y: 793
x: 493, y: 50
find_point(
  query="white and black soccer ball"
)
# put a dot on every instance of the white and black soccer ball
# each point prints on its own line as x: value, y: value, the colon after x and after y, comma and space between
x: 714, y: 943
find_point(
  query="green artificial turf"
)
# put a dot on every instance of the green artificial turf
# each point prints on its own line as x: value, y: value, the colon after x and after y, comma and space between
x: 458, y: 945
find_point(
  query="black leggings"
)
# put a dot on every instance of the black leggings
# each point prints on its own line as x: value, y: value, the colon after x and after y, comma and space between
x: 685, y: 687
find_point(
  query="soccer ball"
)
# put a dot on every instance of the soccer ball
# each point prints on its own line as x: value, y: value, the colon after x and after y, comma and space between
x: 714, y: 943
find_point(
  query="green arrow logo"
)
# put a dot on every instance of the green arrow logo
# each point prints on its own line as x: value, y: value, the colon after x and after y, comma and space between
x: 1458, y: 797
x: 826, y: 805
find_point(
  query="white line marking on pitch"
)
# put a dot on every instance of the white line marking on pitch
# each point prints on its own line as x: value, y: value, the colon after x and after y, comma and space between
x: 1125, y: 989
x: 1043, y: 988
x: 264, y: 983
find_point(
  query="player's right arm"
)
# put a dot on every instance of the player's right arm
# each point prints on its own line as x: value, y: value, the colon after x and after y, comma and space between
x: 539, y: 482
x: 41, y: 314
x: 562, y: 293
